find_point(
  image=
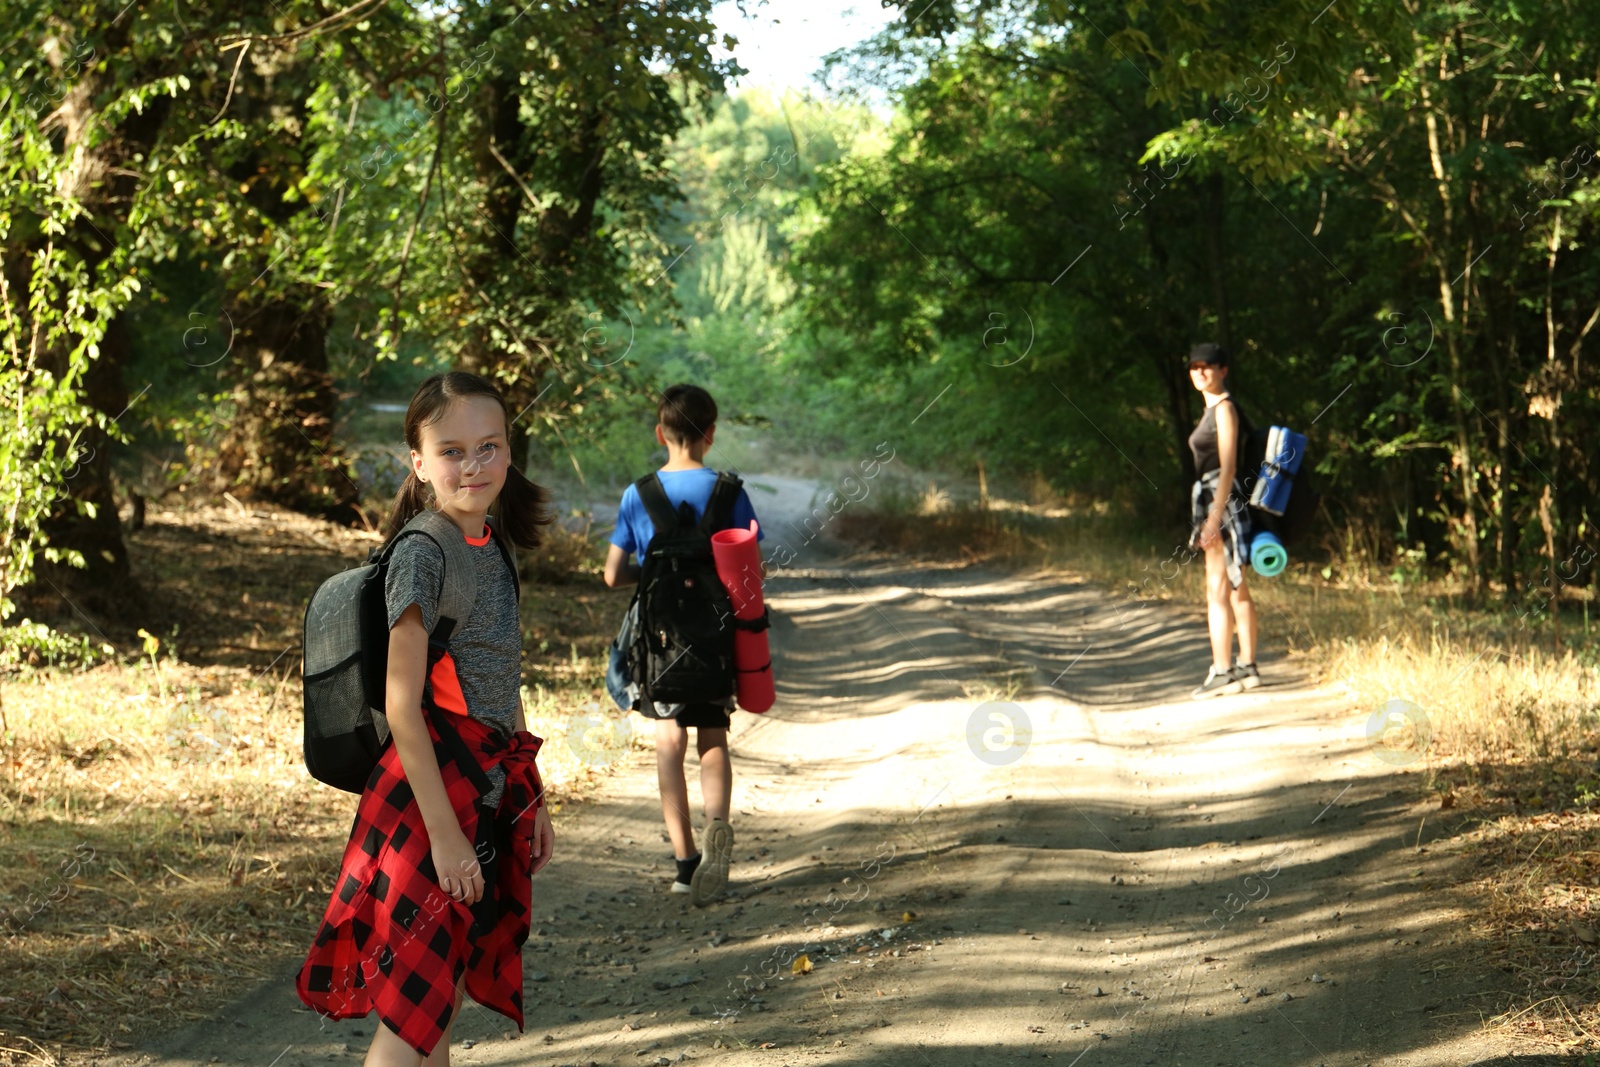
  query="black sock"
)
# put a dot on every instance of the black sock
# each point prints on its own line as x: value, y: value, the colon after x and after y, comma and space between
x: 686, y: 867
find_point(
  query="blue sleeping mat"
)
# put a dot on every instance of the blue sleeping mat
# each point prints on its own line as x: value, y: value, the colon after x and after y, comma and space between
x: 1285, y: 450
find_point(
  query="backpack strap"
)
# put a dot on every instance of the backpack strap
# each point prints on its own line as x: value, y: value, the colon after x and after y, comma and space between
x: 719, y: 509
x: 508, y: 552
x: 459, y: 590
x: 653, y: 495
x: 1246, y: 427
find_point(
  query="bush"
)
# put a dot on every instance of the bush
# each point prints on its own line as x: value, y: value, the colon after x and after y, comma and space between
x: 33, y: 644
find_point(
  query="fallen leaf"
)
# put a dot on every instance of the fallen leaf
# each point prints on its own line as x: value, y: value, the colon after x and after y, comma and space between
x: 801, y: 965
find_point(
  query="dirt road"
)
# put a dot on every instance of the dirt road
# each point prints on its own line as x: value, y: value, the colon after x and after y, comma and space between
x: 1096, y: 870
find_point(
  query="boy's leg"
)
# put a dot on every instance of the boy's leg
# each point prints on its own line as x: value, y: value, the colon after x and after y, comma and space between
x: 716, y: 789
x: 672, y: 744
x: 716, y: 771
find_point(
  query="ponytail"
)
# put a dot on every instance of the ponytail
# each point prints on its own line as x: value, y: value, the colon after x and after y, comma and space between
x: 409, y: 502
x: 523, y: 507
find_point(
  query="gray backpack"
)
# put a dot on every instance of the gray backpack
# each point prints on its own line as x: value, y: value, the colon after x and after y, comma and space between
x: 346, y: 651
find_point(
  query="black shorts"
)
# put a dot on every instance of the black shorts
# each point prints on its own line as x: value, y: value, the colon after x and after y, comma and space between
x: 706, y: 716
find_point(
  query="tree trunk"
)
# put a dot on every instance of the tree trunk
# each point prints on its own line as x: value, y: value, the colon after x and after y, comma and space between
x: 1213, y: 206
x: 101, y: 179
x: 278, y: 445
x: 1465, y: 465
x: 105, y: 586
x: 502, y: 206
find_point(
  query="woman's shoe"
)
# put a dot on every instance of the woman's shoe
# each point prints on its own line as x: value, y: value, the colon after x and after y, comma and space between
x: 1217, y: 683
x: 1247, y: 674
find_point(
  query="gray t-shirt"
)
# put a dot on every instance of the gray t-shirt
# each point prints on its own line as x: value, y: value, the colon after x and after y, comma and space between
x: 486, y: 646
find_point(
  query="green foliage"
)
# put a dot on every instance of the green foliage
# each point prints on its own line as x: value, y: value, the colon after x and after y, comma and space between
x: 53, y: 313
x: 26, y: 643
x: 729, y: 321
x: 1382, y: 209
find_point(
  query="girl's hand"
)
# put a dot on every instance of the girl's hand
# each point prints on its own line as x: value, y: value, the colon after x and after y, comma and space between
x: 1211, y: 531
x: 456, y: 864
x: 544, y: 838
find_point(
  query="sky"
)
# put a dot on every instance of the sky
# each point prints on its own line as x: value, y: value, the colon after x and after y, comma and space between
x: 783, y: 41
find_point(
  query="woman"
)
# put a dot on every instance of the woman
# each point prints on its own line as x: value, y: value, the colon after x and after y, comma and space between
x: 1222, y: 524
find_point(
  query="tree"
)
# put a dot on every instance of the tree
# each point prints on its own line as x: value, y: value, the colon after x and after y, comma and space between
x: 1479, y: 157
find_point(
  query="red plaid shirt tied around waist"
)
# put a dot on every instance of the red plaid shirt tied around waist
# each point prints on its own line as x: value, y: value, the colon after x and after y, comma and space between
x: 391, y: 939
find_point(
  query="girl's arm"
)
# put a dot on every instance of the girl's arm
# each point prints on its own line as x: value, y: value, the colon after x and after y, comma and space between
x: 544, y: 837
x: 453, y: 857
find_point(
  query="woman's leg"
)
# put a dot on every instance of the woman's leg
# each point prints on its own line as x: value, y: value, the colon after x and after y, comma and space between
x: 716, y: 771
x: 1219, y: 612
x: 1244, y: 616
x: 672, y: 744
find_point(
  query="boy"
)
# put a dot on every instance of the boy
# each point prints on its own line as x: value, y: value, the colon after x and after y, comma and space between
x: 686, y: 421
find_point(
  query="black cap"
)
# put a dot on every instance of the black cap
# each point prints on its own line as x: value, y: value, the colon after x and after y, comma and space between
x: 1207, y: 352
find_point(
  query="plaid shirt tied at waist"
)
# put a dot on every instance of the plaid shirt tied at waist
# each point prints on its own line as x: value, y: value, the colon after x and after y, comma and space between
x: 391, y: 939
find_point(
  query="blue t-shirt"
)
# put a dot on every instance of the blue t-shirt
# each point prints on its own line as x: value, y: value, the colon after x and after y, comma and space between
x: 634, y: 528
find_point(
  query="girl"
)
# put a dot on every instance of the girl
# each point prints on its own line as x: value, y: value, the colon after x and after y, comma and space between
x: 434, y: 892
x: 1222, y: 525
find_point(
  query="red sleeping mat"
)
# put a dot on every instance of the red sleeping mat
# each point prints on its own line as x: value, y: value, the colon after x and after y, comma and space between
x: 738, y: 562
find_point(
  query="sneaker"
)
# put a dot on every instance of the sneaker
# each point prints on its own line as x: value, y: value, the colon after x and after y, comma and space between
x: 1247, y: 674
x: 686, y: 868
x: 1217, y: 683
x: 711, y: 877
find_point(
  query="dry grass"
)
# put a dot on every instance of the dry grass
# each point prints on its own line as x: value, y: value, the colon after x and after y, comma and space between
x: 1537, y: 874
x: 169, y: 848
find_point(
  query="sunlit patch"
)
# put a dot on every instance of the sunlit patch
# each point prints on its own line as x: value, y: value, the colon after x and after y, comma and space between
x: 999, y: 732
x: 598, y: 740
x: 1399, y: 732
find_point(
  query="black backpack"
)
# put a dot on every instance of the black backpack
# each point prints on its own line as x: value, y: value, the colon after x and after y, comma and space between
x: 346, y: 651
x: 683, y: 647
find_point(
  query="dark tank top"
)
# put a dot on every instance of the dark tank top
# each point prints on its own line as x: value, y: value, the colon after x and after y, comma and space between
x: 1203, y: 442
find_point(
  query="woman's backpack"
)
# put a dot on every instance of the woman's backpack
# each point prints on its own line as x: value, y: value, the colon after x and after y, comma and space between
x: 346, y: 651
x: 683, y: 647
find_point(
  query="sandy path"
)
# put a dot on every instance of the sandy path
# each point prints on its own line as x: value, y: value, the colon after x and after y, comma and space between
x: 972, y: 891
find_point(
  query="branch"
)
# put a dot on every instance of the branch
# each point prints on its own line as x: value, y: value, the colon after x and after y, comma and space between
x: 243, y: 48
x: 532, y: 202
x: 326, y: 25
x: 422, y: 206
